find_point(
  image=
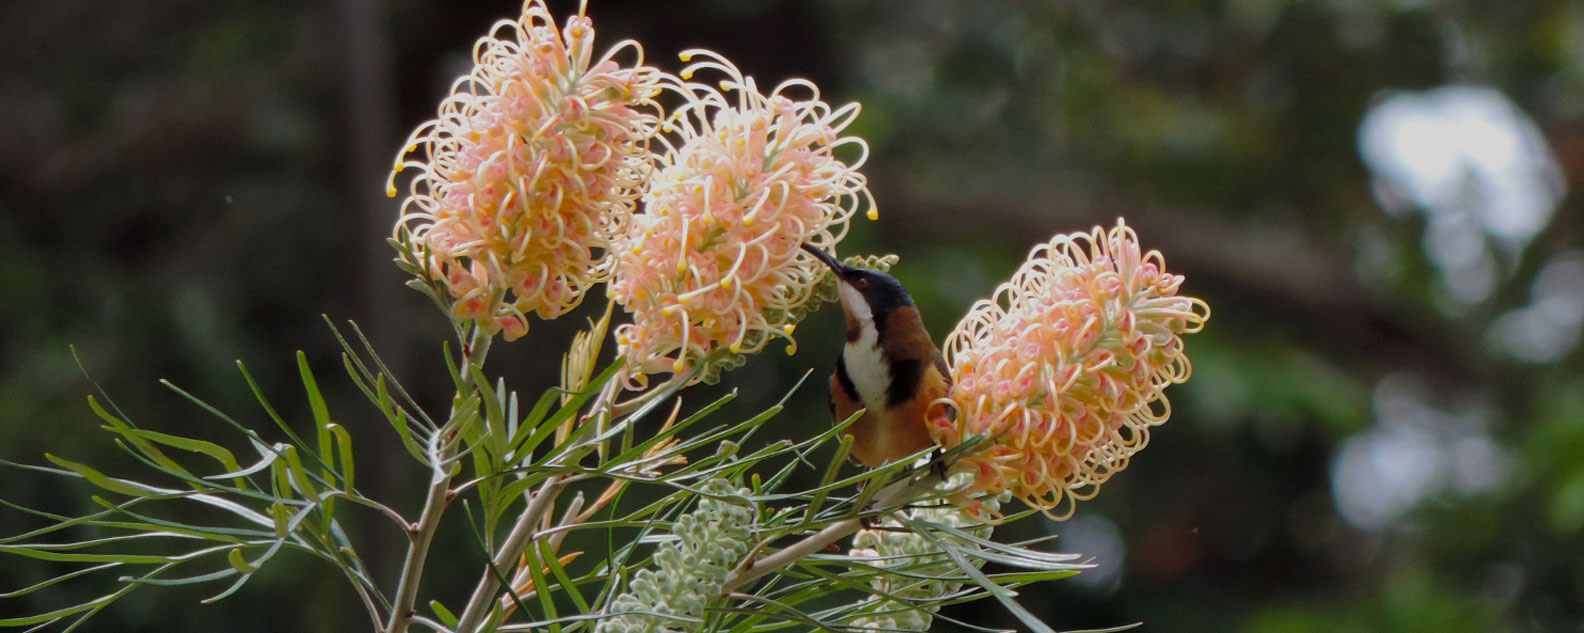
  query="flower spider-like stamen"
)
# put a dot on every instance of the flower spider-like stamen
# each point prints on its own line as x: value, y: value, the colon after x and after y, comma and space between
x: 744, y: 179
x: 1055, y: 370
x: 534, y: 162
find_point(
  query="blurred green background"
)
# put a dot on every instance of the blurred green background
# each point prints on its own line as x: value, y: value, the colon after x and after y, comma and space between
x: 1385, y: 427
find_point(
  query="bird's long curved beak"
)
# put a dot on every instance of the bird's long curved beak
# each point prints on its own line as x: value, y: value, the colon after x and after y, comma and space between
x: 825, y: 257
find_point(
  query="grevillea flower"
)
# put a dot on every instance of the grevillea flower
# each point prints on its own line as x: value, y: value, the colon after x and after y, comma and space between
x: 713, y: 263
x: 687, y: 575
x: 919, y: 572
x: 535, y: 161
x: 1065, y: 368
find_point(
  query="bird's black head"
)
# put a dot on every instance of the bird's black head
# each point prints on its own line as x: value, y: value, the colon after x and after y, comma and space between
x: 881, y: 293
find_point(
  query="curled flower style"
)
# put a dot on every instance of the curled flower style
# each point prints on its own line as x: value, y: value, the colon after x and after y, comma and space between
x: 1065, y: 368
x: 535, y: 162
x: 713, y: 263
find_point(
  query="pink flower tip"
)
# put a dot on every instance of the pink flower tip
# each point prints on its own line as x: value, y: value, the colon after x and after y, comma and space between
x: 534, y: 163
x: 713, y: 264
x: 1065, y: 368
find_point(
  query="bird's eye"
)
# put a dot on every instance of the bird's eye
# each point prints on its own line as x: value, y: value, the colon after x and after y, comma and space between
x: 861, y: 283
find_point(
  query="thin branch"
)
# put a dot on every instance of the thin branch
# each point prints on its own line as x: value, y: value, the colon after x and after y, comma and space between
x: 421, y: 534
x: 619, y: 409
x: 897, y: 493
x: 525, y: 531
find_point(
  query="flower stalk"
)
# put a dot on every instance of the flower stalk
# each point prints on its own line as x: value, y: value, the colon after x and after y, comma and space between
x: 421, y: 534
x: 896, y: 494
x: 522, y: 534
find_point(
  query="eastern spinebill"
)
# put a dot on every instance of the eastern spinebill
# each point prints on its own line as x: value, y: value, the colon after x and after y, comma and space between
x: 889, y: 367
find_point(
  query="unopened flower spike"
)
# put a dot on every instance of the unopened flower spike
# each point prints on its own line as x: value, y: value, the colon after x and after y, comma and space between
x: 688, y: 572
x: 1066, y: 367
x: 534, y: 163
x: 742, y: 182
x: 921, y: 567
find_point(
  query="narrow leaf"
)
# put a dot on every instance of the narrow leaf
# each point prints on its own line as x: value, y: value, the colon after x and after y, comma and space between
x: 70, y: 557
x: 316, y: 401
x: 116, y: 425
x: 57, y: 579
x: 187, y: 580
x: 557, y: 566
x: 446, y: 616
x: 397, y: 419
x: 108, y: 483
x: 59, y: 614
x: 542, y: 586
x: 241, y: 580
x: 214, y: 451
x: 238, y: 562
x: 343, y: 442
x: 1001, y: 594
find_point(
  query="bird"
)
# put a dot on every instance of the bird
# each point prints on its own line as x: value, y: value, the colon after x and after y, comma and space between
x: 889, y: 366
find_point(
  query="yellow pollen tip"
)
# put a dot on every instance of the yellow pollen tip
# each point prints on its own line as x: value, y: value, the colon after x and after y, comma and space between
x: 791, y: 349
x: 747, y: 221
x: 670, y: 310
x: 736, y: 348
x: 677, y: 366
x: 687, y: 57
x: 390, y: 190
x: 687, y: 74
x: 728, y: 282
x: 788, y: 328
x: 872, y: 215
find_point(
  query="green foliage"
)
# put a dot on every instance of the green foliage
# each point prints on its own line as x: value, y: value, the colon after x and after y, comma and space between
x: 271, y: 505
x: 730, y: 557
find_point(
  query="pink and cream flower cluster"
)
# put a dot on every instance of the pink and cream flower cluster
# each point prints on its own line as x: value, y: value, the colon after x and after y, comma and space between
x: 1065, y: 368
x: 528, y: 195
x: 713, y: 263
x: 533, y: 165
x: 529, y: 182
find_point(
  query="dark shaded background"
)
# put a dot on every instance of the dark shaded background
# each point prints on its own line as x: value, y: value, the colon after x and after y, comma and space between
x: 1385, y: 427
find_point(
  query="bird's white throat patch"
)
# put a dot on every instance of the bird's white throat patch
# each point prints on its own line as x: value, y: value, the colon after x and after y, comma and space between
x: 856, y: 305
x: 867, y: 366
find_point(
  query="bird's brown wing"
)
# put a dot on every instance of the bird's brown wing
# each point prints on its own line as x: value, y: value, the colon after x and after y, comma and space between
x: 907, y: 431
